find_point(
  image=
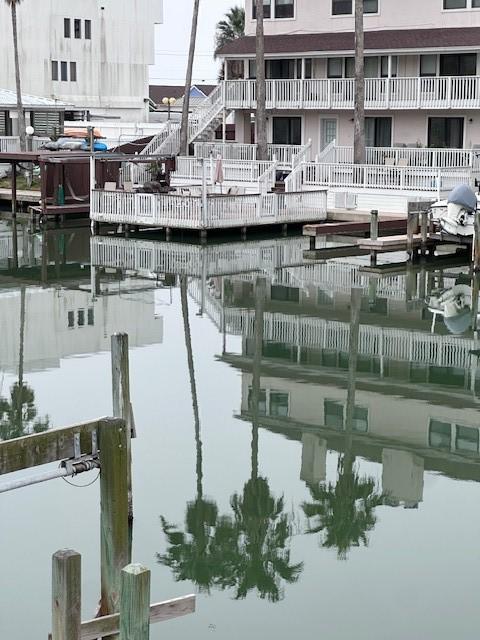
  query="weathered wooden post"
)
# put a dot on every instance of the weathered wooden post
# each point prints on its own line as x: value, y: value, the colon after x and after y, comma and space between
x: 374, y: 224
x: 411, y: 221
x: 475, y: 294
x: 66, y: 595
x: 114, y: 530
x: 355, y: 305
x: 424, y: 231
x: 476, y: 243
x: 135, y: 603
x: 122, y: 406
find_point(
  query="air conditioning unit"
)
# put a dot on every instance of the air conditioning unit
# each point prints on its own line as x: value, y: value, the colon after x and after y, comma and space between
x: 346, y: 200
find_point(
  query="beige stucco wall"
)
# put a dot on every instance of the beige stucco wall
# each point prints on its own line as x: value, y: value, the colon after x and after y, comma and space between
x: 315, y: 15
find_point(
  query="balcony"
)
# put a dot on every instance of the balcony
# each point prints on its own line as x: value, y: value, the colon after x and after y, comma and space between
x: 452, y: 92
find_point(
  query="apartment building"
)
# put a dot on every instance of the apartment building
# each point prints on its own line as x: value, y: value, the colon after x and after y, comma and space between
x: 421, y: 63
x: 92, y: 54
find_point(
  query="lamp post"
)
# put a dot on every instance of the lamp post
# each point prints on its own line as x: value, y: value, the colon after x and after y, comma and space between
x: 29, y: 173
x: 168, y: 102
x: 29, y: 131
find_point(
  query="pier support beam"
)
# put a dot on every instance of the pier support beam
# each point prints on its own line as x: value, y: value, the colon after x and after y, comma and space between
x: 66, y: 595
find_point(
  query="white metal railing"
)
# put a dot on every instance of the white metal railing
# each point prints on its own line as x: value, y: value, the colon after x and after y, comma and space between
x: 303, y: 155
x: 425, y: 179
x: 407, y: 156
x: 283, y: 153
x: 244, y: 171
x: 267, y: 180
x: 10, y: 144
x: 208, y: 212
x: 452, y: 92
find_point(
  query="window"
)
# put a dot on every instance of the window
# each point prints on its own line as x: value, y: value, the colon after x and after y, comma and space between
x: 384, y: 67
x: 466, y: 439
x: 445, y: 133
x: 54, y: 70
x: 287, y: 130
x: 345, y: 7
x: 77, y: 28
x: 81, y: 317
x: 440, y: 435
x: 428, y: 65
x: 360, y: 419
x: 71, y: 319
x: 88, y: 29
x: 91, y: 317
x: 284, y: 294
x: 333, y: 414
x: 278, y: 404
x: 66, y: 27
x: 463, y: 64
x: 63, y: 71
x: 371, y: 67
x: 267, y: 9
x: 73, y: 71
x: 461, y: 4
x: 284, y: 8
x: 335, y: 67
x: 378, y: 132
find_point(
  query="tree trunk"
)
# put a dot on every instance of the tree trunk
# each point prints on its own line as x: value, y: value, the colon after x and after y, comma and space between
x: 188, y: 82
x: 20, y: 112
x: 359, y: 110
x: 260, y: 295
x: 261, y: 114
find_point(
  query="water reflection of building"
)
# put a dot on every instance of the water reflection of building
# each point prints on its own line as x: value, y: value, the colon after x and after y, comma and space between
x: 61, y: 323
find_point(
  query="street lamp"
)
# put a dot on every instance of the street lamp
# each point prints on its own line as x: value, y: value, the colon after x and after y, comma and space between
x: 29, y: 131
x: 168, y: 102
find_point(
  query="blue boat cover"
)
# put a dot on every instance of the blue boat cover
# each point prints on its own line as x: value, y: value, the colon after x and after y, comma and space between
x: 464, y: 196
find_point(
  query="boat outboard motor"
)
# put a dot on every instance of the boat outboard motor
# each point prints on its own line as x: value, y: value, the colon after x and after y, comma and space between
x: 455, y: 305
x: 461, y: 207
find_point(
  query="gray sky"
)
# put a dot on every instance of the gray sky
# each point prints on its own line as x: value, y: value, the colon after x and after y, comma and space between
x: 173, y: 37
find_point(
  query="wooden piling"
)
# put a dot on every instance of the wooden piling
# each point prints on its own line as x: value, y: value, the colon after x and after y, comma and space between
x: 313, y: 243
x: 135, y: 603
x: 424, y: 232
x: 66, y: 595
x: 114, y: 530
x: 122, y: 406
x: 476, y: 243
x: 411, y: 223
x: 355, y: 305
x: 374, y: 224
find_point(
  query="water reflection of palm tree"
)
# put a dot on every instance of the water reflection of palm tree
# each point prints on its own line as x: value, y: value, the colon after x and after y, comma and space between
x: 192, y: 554
x: 18, y: 415
x: 262, y: 529
x: 344, y: 512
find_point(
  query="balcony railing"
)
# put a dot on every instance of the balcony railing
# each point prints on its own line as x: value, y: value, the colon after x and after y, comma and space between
x: 449, y: 92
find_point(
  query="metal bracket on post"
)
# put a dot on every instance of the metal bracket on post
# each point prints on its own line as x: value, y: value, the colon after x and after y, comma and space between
x: 77, y: 447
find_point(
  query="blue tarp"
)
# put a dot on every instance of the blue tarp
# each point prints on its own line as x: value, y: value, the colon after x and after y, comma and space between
x: 464, y: 196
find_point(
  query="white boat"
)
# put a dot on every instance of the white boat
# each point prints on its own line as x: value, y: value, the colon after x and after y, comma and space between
x: 455, y: 216
x: 454, y: 305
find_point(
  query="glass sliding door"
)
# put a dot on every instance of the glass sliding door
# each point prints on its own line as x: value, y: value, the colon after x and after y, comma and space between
x: 378, y: 132
x: 287, y: 130
x: 446, y: 133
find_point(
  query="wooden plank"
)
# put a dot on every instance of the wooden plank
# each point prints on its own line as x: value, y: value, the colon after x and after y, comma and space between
x: 332, y: 228
x: 135, y: 603
x: 334, y: 252
x: 393, y: 242
x: 66, y: 595
x: 43, y: 448
x: 160, y: 612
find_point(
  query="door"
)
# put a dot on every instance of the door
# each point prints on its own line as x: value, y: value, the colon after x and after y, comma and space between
x: 445, y: 133
x: 287, y: 130
x: 328, y: 132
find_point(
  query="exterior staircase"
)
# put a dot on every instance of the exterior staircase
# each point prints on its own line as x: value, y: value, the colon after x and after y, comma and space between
x: 202, y: 122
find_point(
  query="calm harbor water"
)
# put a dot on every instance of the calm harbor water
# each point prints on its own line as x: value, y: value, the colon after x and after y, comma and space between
x: 297, y: 504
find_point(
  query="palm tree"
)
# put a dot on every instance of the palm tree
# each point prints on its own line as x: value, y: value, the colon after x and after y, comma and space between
x: 261, y: 89
x: 21, y: 115
x: 188, y: 81
x: 359, y: 109
x: 18, y: 415
x: 230, y: 28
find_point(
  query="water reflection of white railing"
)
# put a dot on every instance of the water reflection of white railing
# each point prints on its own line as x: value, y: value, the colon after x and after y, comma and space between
x: 148, y: 257
x: 392, y: 343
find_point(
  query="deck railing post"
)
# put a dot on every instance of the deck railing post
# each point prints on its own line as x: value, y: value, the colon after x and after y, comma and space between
x: 204, y: 195
x: 135, y: 603
x: 66, y: 595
